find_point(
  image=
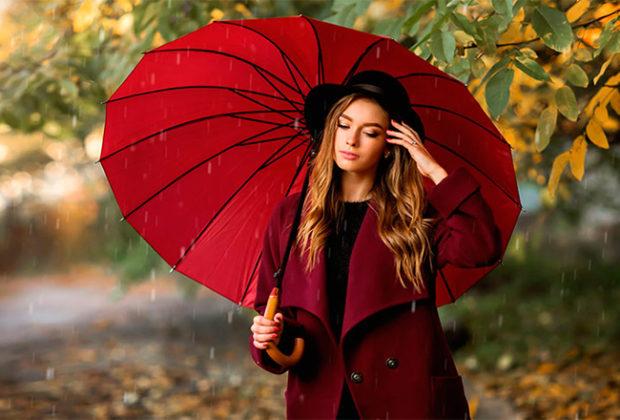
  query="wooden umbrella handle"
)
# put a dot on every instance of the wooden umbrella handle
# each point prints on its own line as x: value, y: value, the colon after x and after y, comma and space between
x: 272, y: 350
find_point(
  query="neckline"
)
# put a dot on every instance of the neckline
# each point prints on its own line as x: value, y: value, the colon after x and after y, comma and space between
x: 356, y: 202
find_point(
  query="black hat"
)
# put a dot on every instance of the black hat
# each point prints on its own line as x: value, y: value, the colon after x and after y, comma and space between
x: 381, y: 86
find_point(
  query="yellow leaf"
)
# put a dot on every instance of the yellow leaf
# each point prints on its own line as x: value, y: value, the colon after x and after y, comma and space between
x: 578, y: 157
x: 601, y: 115
x: 85, y: 15
x: 596, y: 134
x: 217, y: 14
x: 603, y: 96
x: 615, y: 102
x: 577, y: 10
x: 556, y: 171
x: 603, y: 68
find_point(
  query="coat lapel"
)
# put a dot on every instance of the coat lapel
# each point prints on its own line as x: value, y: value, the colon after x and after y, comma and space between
x: 372, y: 282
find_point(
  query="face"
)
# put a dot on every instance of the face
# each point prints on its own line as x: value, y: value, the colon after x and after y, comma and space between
x: 361, y: 131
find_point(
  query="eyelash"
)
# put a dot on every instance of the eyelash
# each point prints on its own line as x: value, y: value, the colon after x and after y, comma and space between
x: 369, y: 135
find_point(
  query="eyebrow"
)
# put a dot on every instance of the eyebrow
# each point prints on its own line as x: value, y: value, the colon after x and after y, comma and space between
x: 369, y: 124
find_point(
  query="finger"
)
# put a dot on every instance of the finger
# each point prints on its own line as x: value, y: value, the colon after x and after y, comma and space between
x: 265, y: 321
x: 405, y: 143
x: 410, y: 131
x: 265, y: 337
x: 259, y: 345
x: 266, y: 330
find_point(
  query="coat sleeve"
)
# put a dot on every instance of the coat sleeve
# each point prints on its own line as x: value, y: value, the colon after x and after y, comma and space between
x: 270, y: 259
x: 466, y: 234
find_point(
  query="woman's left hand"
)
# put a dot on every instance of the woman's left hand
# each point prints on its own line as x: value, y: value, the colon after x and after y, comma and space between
x: 410, y: 140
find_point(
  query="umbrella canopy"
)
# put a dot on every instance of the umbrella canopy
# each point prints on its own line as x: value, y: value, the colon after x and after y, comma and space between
x: 206, y: 135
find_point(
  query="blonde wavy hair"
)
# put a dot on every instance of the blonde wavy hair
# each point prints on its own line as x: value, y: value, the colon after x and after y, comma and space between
x: 397, y: 190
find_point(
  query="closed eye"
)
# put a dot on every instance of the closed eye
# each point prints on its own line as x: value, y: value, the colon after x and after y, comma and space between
x: 368, y: 134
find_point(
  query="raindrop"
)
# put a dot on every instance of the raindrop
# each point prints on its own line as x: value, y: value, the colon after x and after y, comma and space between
x: 49, y: 374
x: 230, y: 316
x: 413, y: 303
x: 211, y: 352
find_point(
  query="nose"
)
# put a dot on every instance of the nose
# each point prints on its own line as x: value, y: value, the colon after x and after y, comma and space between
x: 351, y: 140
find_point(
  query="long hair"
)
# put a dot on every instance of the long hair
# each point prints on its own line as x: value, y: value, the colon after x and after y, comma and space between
x: 397, y: 190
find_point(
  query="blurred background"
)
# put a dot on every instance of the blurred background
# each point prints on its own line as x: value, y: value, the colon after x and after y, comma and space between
x: 92, y: 322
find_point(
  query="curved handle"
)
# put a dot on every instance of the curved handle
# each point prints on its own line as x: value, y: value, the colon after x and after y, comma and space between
x: 272, y: 350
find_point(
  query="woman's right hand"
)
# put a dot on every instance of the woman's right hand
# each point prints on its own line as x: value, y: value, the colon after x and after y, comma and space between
x: 266, y: 330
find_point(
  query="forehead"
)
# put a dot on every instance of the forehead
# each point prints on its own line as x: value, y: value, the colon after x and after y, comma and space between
x: 365, y: 111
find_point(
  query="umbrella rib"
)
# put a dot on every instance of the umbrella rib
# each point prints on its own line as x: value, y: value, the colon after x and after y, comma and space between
x: 260, y: 168
x: 194, y: 121
x: 285, y: 56
x: 441, y: 76
x: 199, y: 164
x: 445, y: 283
x: 297, y: 172
x: 235, y: 90
x: 488, y: 130
x: 294, y: 78
x: 361, y: 57
x: 283, y: 95
x: 460, y: 156
x: 256, y: 67
x: 321, y: 68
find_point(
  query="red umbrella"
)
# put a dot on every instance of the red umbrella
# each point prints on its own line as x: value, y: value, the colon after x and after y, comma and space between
x: 207, y: 134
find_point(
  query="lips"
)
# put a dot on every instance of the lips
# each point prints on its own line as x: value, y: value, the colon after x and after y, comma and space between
x: 347, y: 154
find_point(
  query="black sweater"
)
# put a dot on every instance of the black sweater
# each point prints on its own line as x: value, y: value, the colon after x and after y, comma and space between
x: 338, y: 253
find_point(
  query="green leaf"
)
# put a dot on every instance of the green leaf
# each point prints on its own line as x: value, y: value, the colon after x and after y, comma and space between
x: 463, y: 23
x: 459, y: 68
x: 502, y: 63
x: 443, y: 45
x: 347, y: 11
x: 613, y: 46
x: 415, y: 17
x: 608, y: 38
x: 576, y: 76
x: 531, y: 68
x: 497, y: 91
x: 503, y: 9
x: 390, y: 27
x: 552, y: 27
x: 567, y: 103
x: 545, y: 127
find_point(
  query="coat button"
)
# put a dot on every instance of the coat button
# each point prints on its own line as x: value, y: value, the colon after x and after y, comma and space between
x: 356, y: 377
x: 391, y: 362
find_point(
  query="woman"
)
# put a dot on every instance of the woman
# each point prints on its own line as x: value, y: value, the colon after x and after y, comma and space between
x: 358, y: 286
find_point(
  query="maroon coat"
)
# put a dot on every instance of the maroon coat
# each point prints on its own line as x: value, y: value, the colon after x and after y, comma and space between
x: 392, y: 350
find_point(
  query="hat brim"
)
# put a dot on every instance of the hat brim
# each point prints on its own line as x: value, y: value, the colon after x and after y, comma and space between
x: 322, y: 98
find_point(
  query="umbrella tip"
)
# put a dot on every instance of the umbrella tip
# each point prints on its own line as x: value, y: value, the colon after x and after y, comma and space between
x: 122, y: 219
x: 173, y: 268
